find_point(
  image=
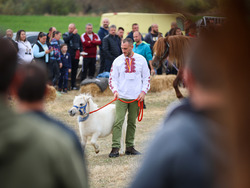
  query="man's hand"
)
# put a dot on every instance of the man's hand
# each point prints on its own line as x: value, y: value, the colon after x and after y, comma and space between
x: 141, y: 96
x: 116, y: 95
x: 60, y: 65
x: 152, y: 72
x: 69, y: 70
x: 75, y: 31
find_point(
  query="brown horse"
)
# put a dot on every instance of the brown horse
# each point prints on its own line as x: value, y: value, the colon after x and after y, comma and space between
x: 174, y: 48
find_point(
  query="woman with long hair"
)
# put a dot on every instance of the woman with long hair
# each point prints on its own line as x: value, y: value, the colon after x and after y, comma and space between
x: 25, y: 52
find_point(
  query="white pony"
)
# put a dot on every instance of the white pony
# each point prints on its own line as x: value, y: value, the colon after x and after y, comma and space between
x: 97, y: 124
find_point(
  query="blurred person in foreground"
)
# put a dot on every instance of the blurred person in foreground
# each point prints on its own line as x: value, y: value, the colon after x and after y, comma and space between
x: 32, y: 153
x: 186, y: 151
x: 31, y: 94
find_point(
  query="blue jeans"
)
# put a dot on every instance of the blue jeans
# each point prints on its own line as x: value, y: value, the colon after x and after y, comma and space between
x: 63, y: 80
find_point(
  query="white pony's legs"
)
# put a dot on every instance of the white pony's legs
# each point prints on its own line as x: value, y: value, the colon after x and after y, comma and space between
x: 93, y: 142
x: 84, y: 141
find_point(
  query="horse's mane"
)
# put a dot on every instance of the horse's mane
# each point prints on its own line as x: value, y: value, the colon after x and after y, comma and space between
x: 177, y: 47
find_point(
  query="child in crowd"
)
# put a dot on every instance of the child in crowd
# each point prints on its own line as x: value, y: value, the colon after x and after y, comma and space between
x: 65, y: 69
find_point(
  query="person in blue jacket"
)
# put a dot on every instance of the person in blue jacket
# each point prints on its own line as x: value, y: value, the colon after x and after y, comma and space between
x: 103, y: 31
x: 65, y: 69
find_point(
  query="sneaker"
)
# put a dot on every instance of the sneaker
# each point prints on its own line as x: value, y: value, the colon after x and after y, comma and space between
x: 114, y: 152
x: 131, y: 151
x: 60, y: 89
x: 65, y: 90
x: 74, y: 88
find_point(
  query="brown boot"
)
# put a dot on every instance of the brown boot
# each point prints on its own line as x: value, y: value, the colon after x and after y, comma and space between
x: 131, y: 151
x: 114, y: 152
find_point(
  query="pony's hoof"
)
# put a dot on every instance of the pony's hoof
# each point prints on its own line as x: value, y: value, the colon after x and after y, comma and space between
x: 97, y: 151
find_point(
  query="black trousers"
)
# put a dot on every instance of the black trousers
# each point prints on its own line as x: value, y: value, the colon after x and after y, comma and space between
x: 54, y: 71
x: 88, y: 67
x: 102, y: 62
x: 74, y: 67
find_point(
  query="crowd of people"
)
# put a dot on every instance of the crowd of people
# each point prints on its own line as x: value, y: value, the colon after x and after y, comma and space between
x: 63, y: 60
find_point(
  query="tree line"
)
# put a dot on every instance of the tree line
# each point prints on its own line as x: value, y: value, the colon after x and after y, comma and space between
x: 65, y: 7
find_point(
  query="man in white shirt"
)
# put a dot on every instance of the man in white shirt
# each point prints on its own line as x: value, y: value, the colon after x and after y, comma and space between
x: 129, y: 79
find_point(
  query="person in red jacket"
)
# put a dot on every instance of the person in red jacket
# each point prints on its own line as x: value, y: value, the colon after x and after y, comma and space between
x: 90, y: 40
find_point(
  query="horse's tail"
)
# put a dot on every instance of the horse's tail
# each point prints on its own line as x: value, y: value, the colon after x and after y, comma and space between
x: 178, y: 45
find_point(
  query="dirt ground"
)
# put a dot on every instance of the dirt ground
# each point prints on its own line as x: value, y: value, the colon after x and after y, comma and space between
x: 117, y: 172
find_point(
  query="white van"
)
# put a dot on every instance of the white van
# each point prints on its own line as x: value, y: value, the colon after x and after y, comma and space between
x: 145, y: 20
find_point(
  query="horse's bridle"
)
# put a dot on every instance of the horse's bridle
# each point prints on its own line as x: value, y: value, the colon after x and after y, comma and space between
x: 80, y: 109
x: 165, y: 52
x: 80, y: 118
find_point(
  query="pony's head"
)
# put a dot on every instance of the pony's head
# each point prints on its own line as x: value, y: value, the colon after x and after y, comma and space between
x: 80, y: 104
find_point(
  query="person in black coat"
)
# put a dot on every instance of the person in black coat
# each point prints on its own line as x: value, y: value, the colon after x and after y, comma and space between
x: 103, y: 32
x: 111, y: 47
x: 73, y: 41
x: 135, y: 27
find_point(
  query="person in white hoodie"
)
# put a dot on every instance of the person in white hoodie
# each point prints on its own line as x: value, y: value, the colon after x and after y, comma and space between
x: 129, y: 79
x: 25, y: 53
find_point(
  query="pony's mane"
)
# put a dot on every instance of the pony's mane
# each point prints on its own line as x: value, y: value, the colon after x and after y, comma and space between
x: 89, y: 96
x: 85, y: 94
x: 177, y: 47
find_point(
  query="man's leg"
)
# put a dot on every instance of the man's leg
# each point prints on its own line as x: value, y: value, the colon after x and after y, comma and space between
x: 121, y: 109
x: 74, y: 67
x: 85, y: 68
x: 65, y: 79
x: 132, y: 115
x: 102, y: 62
x: 92, y: 67
x: 61, y: 78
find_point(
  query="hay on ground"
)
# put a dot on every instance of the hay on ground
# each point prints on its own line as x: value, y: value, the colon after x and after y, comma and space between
x: 107, y: 92
x: 51, y: 94
x: 94, y: 90
x: 159, y: 83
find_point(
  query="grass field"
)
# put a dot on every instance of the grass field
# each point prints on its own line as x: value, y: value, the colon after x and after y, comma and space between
x: 117, y: 172
x: 43, y: 23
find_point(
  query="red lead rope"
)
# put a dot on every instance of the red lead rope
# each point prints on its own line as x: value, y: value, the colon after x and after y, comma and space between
x: 140, y: 105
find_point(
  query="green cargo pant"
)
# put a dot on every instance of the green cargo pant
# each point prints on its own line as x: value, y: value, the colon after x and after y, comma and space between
x: 121, y: 109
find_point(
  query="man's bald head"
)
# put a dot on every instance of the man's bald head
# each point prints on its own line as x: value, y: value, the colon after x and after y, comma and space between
x: 71, y: 27
x: 137, y: 37
x: 154, y: 28
x: 105, y: 23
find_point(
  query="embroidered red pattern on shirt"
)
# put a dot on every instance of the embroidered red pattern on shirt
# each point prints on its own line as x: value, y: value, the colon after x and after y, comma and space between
x: 130, y: 67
